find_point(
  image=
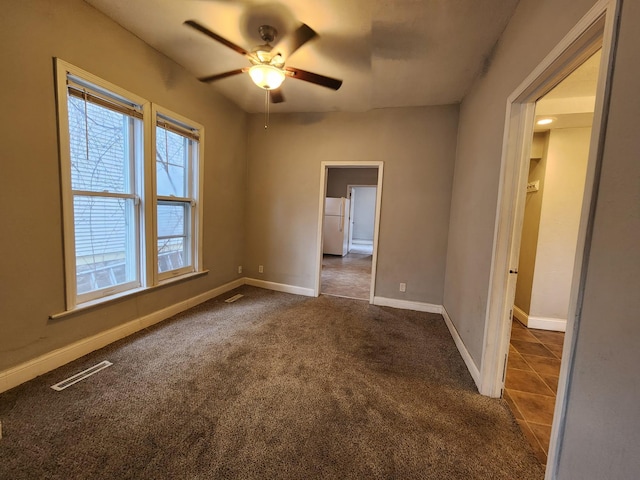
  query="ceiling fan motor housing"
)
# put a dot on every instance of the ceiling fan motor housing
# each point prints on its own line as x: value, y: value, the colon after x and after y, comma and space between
x: 268, y: 33
x: 262, y: 55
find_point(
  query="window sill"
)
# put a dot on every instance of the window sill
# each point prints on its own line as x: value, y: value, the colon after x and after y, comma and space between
x: 84, y: 307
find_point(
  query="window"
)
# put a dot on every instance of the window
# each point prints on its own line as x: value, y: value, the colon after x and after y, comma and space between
x: 117, y: 202
x: 177, y: 146
x: 105, y: 136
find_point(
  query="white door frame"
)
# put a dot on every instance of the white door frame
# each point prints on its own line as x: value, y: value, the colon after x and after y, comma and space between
x: 324, y: 169
x: 596, y: 29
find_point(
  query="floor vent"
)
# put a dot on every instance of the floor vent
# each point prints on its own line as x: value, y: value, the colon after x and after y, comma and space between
x: 81, y: 376
x: 234, y: 298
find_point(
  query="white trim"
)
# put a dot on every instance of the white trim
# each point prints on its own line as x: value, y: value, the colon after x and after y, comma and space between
x: 31, y: 369
x: 49, y: 361
x: 612, y: 11
x: 129, y: 293
x: 540, y: 323
x: 521, y: 315
x: 595, y: 29
x: 464, y: 353
x: 195, y: 193
x: 573, y: 49
x: 545, y: 323
x: 407, y: 305
x: 280, y: 287
x: 62, y: 69
x: 376, y: 229
x: 440, y: 309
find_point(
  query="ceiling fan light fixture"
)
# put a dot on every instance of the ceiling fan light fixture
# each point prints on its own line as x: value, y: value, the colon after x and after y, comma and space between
x: 267, y: 77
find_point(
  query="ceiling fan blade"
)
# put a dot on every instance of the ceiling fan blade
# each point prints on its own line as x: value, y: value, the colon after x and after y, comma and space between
x: 332, y: 83
x: 292, y: 42
x: 276, y: 96
x: 216, y: 37
x: 220, y: 76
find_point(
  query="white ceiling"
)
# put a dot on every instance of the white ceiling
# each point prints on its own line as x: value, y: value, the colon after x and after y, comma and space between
x: 582, y: 82
x: 571, y: 103
x: 389, y: 53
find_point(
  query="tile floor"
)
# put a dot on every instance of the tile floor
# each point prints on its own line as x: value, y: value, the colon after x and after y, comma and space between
x: 531, y: 383
x: 348, y: 276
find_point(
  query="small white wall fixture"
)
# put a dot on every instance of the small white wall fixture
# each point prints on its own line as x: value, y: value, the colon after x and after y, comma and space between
x: 324, y: 170
x: 594, y: 31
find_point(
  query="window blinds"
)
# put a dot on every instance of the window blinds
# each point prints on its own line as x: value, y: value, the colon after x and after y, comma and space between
x: 178, y: 128
x: 91, y: 93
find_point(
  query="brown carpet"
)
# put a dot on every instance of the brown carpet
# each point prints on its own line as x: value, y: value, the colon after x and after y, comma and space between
x: 272, y: 386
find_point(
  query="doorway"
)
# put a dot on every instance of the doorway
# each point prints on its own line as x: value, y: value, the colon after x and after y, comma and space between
x: 362, y: 217
x: 595, y: 31
x: 349, y: 215
x: 548, y: 244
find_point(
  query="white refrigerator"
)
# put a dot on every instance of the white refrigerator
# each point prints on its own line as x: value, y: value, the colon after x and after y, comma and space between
x: 336, y: 226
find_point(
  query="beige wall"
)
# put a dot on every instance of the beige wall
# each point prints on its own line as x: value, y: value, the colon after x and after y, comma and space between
x: 550, y: 228
x: 602, y: 430
x: 418, y: 148
x: 31, y: 273
x: 477, y: 171
x: 339, y: 178
x: 602, y: 424
x: 530, y: 225
x: 565, y: 172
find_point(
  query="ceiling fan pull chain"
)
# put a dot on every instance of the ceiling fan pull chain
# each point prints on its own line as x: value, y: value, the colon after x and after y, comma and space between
x: 266, y: 109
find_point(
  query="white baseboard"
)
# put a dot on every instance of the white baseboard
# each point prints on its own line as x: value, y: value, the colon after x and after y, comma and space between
x: 521, y: 315
x: 466, y: 356
x: 540, y: 323
x: 431, y: 308
x: 31, y: 369
x: 21, y: 373
x: 280, y: 287
x: 543, y: 323
x: 407, y: 305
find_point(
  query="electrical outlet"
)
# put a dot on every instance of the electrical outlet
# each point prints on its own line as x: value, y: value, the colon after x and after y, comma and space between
x: 239, y: 268
x: 260, y: 269
x: 403, y: 287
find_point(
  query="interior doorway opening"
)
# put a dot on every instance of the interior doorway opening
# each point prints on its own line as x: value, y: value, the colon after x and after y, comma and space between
x: 349, y: 215
x: 548, y: 244
x: 595, y: 31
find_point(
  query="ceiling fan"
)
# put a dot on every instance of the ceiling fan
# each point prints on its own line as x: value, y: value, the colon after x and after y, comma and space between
x: 268, y: 69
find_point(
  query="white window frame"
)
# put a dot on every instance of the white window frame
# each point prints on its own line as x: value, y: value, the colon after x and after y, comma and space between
x: 193, y: 223
x: 96, y: 84
x: 144, y: 193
